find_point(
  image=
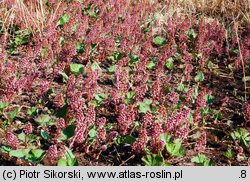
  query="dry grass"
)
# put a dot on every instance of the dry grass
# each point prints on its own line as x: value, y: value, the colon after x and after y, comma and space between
x: 37, y: 17
x: 226, y: 9
x: 33, y: 13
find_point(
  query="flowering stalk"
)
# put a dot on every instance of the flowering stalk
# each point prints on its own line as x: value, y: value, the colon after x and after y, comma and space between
x: 11, y: 140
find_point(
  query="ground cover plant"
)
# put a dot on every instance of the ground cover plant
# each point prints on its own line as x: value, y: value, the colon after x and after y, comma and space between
x: 120, y: 82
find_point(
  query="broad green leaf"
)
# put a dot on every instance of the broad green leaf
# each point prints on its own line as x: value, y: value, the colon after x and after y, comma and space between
x: 191, y: 33
x: 210, y: 64
x: 199, y: 56
x: 92, y: 132
x: 21, y: 153
x: 71, y: 159
x: 80, y: 47
x: 100, y: 97
x: 208, y: 162
x: 175, y: 148
x: 239, y: 133
x: 159, y: 41
x: 150, y: 65
x: 68, y: 160
x: 129, y: 97
x: 32, y: 111
x: 242, y: 136
x: 247, y: 139
x: 170, y: 63
x: 209, y: 98
x: 154, y: 160
x: 94, y: 103
x: 3, y: 105
x: 112, y: 69
x: 37, y: 152
x: 62, y: 162
x: 144, y: 106
x: 95, y: 66
x: 165, y: 137
x: 134, y: 57
x: 117, y: 56
x: 45, y: 135
x: 234, y: 136
x: 32, y: 138
x: 64, y: 19
x: 76, y: 69
x: 68, y: 132
x: 147, y: 101
x: 201, y: 160
x: 154, y: 59
x: 13, y: 114
x: 21, y: 137
x: 35, y: 155
x: 5, y: 149
x: 44, y: 120
x: 181, y: 87
x: 61, y: 113
x: 128, y: 139
x: 21, y: 40
x: 229, y: 153
x: 199, y: 77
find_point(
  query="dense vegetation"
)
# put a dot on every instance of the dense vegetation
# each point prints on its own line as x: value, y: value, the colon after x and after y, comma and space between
x: 120, y: 82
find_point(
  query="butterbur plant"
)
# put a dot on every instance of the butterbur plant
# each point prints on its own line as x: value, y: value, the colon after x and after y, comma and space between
x: 202, y: 160
x: 125, y: 118
x: 141, y: 143
x: 201, y: 143
x: 28, y: 128
x: 111, y: 81
x: 11, y: 139
x: 247, y: 112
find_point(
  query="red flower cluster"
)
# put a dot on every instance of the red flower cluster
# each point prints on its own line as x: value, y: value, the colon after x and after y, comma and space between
x: 176, y: 120
x: 125, y: 118
x: 140, y: 145
x: 52, y: 152
x: 28, y: 128
x: 201, y: 100
x: 11, y: 140
x: 247, y: 111
x: 201, y: 143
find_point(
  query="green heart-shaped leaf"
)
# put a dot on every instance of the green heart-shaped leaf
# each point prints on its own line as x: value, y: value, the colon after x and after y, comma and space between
x: 159, y: 41
x: 64, y: 19
x: 170, y: 63
x: 76, y: 69
x: 21, y: 153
